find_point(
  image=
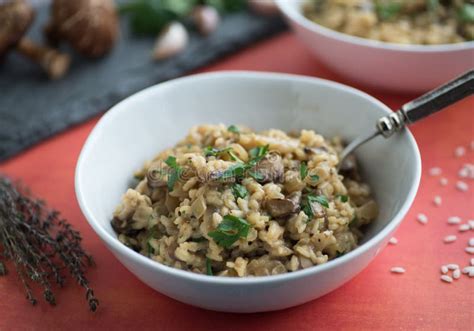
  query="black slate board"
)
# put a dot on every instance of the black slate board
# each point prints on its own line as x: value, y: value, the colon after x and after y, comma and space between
x: 33, y: 108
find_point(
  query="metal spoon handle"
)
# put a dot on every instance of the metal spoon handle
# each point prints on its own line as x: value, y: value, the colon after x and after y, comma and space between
x: 428, y: 104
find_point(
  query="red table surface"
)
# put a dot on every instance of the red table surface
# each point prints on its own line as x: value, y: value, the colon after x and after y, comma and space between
x: 375, y: 299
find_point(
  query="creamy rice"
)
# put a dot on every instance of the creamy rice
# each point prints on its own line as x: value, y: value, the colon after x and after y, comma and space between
x: 228, y: 201
x: 397, y: 21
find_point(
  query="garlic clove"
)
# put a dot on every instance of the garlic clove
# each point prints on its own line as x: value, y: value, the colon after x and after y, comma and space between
x: 172, y: 40
x: 206, y: 19
x: 264, y: 7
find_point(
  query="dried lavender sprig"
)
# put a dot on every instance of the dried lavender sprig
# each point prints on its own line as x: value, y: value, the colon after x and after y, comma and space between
x: 40, y: 244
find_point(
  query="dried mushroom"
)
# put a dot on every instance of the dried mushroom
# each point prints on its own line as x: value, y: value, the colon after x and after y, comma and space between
x: 91, y: 27
x: 16, y: 17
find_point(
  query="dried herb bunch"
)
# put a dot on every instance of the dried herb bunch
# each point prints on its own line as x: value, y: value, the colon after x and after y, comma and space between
x: 40, y: 244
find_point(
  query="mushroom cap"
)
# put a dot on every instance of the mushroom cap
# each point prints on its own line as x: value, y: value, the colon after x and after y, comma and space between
x: 16, y: 17
x: 89, y: 26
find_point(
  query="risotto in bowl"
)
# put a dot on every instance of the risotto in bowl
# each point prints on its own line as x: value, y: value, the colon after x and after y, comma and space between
x: 222, y: 190
x: 396, y: 45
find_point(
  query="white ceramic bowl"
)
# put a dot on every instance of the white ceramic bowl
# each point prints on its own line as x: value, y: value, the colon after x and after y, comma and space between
x: 140, y: 126
x: 389, y: 66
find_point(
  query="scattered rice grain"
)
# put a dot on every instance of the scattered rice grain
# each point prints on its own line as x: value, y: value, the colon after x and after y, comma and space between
x: 443, y: 181
x: 454, y: 220
x: 397, y: 270
x: 444, y: 269
x: 464, y: 227
x: 437, y: 200
x: 456, y: 274
x: 435, y: 171
x: 459, y: 151
x: 452, y: 266
x: 469, y: 250
x: 422, y: 218
x: 462, y: 186
x: 471, y: 242
x: 393, y: 241
x: 450, y: 239
x: 446, y: 278
x: 471, y: 224
x: 472, y: 262
x: 463, y: 172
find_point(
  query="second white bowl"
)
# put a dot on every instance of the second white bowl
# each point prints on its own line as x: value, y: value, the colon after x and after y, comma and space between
x: 394, y: 67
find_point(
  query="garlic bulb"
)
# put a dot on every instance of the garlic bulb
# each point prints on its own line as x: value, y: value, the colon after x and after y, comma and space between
x: 171, y: 41
x: 206, y: 19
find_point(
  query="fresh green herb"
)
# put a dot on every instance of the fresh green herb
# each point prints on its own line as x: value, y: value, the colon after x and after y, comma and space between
x: 303, y: 170
x: 344, y: 198
x: 466, y: 13
x: 239, y: 191
x: 175, y: 172
x: 208, y: 267
x: 321, y: 199
x: 212, y: 151
x: 257, y: 154
x: 432, y: 4
x: 387, y: 10
x: 314, y: 178
x: 232, y: 128
x: 151, y: 16
x: 230, y: 230
x: 306, y: 208
x: 255, y: 174
x: 235, y: 170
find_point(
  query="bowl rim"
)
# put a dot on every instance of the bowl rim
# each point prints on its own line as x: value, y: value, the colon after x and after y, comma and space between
x: 286, y: 7
x: 114, y: 244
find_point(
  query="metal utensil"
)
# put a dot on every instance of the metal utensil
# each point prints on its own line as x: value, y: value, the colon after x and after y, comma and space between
x: 415, y: 110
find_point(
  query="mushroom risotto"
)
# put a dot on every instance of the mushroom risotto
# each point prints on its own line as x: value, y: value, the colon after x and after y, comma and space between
x: 228, y: 201
x: 397, y: 21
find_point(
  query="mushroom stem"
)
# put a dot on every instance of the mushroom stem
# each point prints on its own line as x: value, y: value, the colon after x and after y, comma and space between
x: 55, y: 64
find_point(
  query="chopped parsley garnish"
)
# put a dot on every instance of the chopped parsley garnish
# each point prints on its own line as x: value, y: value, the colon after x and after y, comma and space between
x: 466, y: 13
x: 388, y: 10
x: 303, y: 170
x: 321, y: 199
x: 174, y: 173
x: 310, y: 198
x: 258, y: 153
x: 344, y: 198
x: 256, y: 175
x: 432, y: 4
x: 231, y: 229
x: 238, y: 169
x: 239, y: 191
x: 208, y: 267
x: 212, y: 151
x: 314, y: 178
x: 232, y: 128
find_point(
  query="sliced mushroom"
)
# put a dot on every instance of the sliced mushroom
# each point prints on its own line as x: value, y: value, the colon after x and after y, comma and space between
x: 155, y: 176
x: 270, y: 168
x: 284, y: 207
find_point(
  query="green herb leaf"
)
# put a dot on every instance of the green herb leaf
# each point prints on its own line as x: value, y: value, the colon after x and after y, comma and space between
x: 175, y: 172
x: 466, y: 13
x: 235, y: 170
x: 321, y: 199
x: 432, y: 4
x: 232, y: 128
x: 387, y: 10
x: 257, y: 153
x: 303, y: 170
x: 230, y: 230
x: 256, y: 175
x: 208, y: 267
x: 314, y: 178
x: 344, y: 198
x: 239, y: 191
